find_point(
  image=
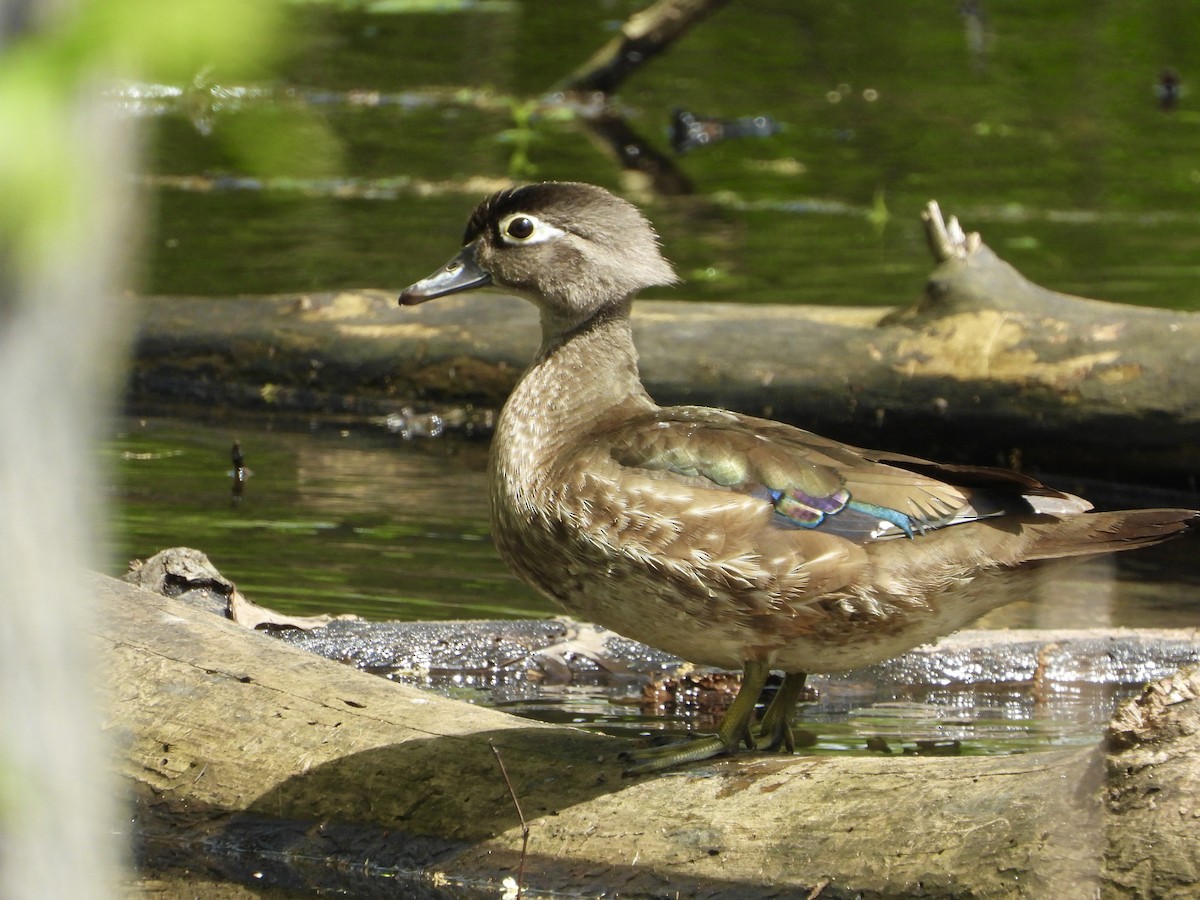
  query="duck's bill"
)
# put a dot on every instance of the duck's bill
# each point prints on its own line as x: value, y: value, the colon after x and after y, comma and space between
x: 460, y: 274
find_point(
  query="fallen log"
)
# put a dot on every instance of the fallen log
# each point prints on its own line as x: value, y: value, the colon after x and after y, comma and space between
x: 254, y: 761
x: 1152, y: 780
x: 988, y: 367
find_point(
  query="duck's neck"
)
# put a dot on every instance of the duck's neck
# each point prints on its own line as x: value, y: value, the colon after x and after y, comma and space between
x: 580, y: 379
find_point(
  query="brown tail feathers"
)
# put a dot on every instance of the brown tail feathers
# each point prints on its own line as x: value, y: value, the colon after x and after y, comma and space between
x: 1108, y: 532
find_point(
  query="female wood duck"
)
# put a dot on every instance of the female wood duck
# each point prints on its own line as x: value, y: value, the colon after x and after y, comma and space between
x: 728, y: 540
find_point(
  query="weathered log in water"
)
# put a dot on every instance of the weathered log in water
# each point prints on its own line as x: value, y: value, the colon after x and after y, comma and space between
x: 988, y: 367
x: 254, y: 761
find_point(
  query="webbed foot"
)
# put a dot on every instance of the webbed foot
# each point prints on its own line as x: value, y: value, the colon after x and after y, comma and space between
x: 733, y: 731
x: 774, y: 732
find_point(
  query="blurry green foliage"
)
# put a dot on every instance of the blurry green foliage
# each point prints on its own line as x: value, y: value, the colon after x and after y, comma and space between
x: 280, y: 141
x: 521, y: 135
x: 46, y: 71
x: 149, y: 39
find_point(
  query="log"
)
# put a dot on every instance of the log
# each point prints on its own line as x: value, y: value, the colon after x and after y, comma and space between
x: 1151, y: 785
x: 254, y: 761
x: 987, y: 368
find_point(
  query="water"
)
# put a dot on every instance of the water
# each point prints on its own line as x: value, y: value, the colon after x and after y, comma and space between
x: 331, y: 518
x: 349, y: 517
x: 1045, y: 133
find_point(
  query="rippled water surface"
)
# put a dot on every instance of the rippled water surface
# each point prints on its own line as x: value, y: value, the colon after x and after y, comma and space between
x: 1038, y: 125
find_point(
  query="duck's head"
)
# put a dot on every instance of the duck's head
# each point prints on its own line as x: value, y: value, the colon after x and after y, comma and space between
x: 573, y: 249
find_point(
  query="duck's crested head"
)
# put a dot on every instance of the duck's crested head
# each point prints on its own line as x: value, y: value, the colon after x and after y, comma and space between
x: 572, y: 248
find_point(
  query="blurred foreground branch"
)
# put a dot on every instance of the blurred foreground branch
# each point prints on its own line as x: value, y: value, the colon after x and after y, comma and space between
x: 63, y: 240
x: 67, y: 223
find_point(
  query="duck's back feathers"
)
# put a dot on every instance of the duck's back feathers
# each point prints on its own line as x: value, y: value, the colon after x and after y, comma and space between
x: 813, y: 484
x: 795, y: 527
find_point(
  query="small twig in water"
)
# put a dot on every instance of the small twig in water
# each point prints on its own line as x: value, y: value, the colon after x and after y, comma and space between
x: 520, y: 815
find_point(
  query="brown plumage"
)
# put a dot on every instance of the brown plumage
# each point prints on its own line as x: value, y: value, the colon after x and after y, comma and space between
x: 726, y: 539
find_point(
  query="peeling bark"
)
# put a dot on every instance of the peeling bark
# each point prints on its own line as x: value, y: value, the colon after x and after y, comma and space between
x: 1152, y: 793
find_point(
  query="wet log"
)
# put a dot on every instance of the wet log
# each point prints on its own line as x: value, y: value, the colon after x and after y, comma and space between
x: 987, y: 368
x: 257, y: 762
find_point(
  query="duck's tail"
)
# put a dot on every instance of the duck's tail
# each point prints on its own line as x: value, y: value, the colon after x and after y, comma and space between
x: 1107, y: 532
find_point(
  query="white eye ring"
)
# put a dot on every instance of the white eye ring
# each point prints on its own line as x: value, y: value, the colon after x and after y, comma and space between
x: 538, y: 231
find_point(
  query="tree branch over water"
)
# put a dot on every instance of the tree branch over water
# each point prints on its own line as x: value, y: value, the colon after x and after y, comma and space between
x: 643, y: 36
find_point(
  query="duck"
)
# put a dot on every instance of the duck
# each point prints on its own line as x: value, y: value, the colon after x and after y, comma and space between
x: 725, y: 539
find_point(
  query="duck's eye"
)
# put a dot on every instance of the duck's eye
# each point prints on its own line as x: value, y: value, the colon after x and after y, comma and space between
x: 520, y: 228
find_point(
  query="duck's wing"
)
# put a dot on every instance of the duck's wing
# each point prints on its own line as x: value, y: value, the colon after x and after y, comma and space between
x: 820, y: 485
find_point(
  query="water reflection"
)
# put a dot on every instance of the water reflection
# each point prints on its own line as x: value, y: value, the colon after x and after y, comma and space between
x: 336, y: 518
x: 351, y: 518
x: 1005, y: 132
x: 979, y: 692
x: 967, y: 720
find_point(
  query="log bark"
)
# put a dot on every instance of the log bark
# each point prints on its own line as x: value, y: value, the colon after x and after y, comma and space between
x: 1151, y: 790
x: 987, y: 368
x: 254, y: 761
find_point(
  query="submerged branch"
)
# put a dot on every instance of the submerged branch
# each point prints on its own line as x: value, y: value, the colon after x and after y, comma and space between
x: 644, y: 36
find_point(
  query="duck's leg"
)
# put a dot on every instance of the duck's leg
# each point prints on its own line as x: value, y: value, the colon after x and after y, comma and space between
x: 733, y: 730
x: 775, y: 730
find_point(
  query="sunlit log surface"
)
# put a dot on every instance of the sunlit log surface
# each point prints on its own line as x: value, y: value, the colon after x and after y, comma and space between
x: 986, y: 368
x: 257, y: 762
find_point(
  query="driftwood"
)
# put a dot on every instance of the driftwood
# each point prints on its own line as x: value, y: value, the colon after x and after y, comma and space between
x: 257, y: 762
x: 988, y: 367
